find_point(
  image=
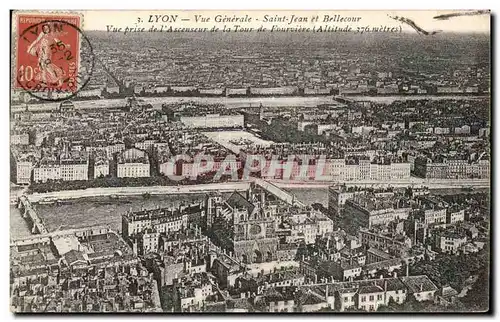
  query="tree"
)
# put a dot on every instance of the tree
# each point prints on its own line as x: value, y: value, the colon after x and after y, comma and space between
x: 301, y: 251
x: 450, y: 269
x: 319, y: 207
x: 478, y: 297
x: 391, y: 306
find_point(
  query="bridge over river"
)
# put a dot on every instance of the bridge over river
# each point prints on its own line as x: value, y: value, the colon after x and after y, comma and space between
x: 28, y: 212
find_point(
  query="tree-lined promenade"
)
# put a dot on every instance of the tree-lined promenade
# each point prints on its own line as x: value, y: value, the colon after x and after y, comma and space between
x: 194, y: 187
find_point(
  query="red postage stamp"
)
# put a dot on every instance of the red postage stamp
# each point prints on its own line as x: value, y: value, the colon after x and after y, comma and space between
x: 47, y: 53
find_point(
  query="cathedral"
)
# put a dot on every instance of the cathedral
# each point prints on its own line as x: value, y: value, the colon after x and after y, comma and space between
x: 244, y: 225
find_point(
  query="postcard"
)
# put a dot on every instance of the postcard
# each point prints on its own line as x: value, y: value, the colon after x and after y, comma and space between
x: 251, y: 161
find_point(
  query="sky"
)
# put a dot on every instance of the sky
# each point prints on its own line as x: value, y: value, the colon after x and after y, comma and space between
x: 98, y: 20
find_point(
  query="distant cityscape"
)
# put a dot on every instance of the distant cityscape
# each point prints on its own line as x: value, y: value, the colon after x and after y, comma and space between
x: 397, y: 135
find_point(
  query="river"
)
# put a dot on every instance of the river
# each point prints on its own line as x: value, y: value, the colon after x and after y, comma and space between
x: 229, y: 102
x: 311, y: 195
x: 237, y: 102
x: 104, y: 210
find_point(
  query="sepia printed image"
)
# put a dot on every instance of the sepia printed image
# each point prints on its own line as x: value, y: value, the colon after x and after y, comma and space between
x: 250, y: 161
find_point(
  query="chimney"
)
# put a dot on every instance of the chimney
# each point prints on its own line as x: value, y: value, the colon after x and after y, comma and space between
x: 421, y: 287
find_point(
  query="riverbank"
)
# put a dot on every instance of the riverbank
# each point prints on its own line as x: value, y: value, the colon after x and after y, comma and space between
x: 413, y: 181
x: 390, y: 99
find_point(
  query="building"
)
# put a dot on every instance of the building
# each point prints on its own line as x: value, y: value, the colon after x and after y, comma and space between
x: 245, y: 226
x: 101, y: 164
x: 262, y: 282
x: 338, y: 195
x: 452, y: 167
x: 22, y: 164
x: 383, y: 169
x: 450, y: 241
x: 23, y: 172
x: 380, y: 168
x: 142, y: 229
x: 371, y: 297
x: 329, y: 162
x: 133, y: 163
x: 145, y: 145
x: 74, y: 165
x: 147, y: 241
x: 421, y: 287
x: 162, y: 219
x: 213, y: 121
x: 97, y: 266
x: 308, y: 300
x: 114, y: 148
x: 226, y: 269
x: 385, y: 241
x: 48, y: 168
x: 367, y: 295
x: 329, y: 246
x: 370, y: 210
x: 374, y: 255
x: 390, y: 265
x: 455, y: 215
x: 68, y: 166
x: 331, y: 270
x: 446, y: 296
x: 95, y: 92
x: 433, y: 210
x: 193, y: 291
x: 306, y: 225
x: 19, y: 138
x: 276, y: 300
x: 180, y: 254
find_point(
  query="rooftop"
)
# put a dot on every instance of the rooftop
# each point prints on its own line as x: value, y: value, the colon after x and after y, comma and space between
x: 420, y: 283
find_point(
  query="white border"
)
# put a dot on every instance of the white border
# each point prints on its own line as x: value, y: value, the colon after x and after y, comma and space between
x: 199, y: 4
